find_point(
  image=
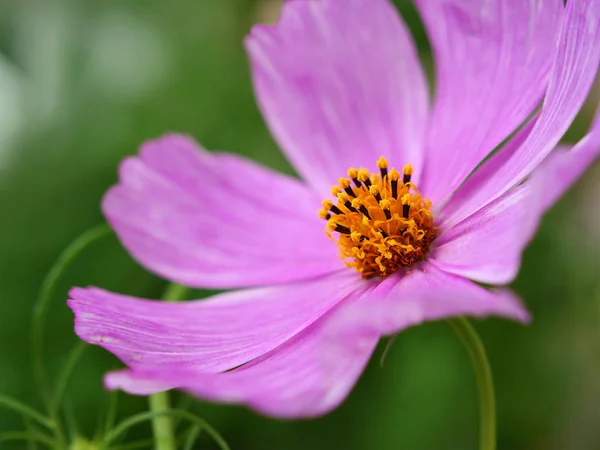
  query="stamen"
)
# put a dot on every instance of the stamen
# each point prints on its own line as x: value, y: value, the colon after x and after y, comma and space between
x: 348, y: 205
x: 374, y: 190
x: 345, y: 185
x: 329, y: 206
x: 406, y: 201
x: 342, y: 229
x: 383, y: 165
x: 383, y: 225
x: 339, y: 228
x: 407, y: 170
x: 353, y: 174
x: 363, y: 175
x: 323, y: 214
x: 385, y: 205
x: 334, y: 209
x: 345, y: 200
x: 394, y: 177
x: 362, y: 208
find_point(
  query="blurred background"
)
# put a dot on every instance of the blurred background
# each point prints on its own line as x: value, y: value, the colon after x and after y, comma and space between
x: 84, y: 82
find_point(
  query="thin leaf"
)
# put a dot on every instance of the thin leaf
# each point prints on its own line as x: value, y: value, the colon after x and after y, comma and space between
x: 65, y: 374
x: 148, y: 416
x: 111, y: 414
x: 28, y: 436
x: 192, y: 437
x: 31, y: 445
x: 71, y: 422
x: 25, y: 411
x: 144, y: 443
x: 46, y: 293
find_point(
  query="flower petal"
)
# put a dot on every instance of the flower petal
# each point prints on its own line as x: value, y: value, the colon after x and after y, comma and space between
x: 340, y: 84
x: 565, y: 165
x: 305, y: 377
x: 458, y: 208
x: 487, y: 246
x: 216, y: 220
x: 493, y: 59
x: 426, y: 294
x: 573, y: 73
x: 210, y: 335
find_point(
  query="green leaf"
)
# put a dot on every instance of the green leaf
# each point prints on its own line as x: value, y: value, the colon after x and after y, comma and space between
x: 47, y: 291
x: 25, y: 410
x: 148, y: 416
x: 63, y: 378
x: 28, y: 436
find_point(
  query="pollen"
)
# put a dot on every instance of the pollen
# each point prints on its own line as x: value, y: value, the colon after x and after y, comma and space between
x: 380, y: 222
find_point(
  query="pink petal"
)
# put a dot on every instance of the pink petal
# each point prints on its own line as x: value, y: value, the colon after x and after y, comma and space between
x: 307, y: 376
x: 487, y: 246
x: 216, y: 220
x: 458, y: 207
x: 573, y: 73
x: 493, y: 59
x: 426, y: 294
x: 565, y: 165
x: 210, y: 335
x: 340, y: 84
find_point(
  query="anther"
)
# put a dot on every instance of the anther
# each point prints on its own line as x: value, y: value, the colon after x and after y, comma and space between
x: 362, y: 208
x: 385, y: 206
x: 406, y: 201
x: 407, y: 170
x: 356, y: 236
x: 383, y: 165
x: 353, y: 174
x: 360, y: 254
x: 384, y: 224
x: 345, y: 185
x: 348, y: 205
x: 394, y: 177
x: 329, y: 206
x: 324, y: 214
x: 374, y: 190
x: 363, y: 175
x: 339, y: 228
x: 343, y: 199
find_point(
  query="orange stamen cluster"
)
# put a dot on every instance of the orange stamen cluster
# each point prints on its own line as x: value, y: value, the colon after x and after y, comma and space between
x: 383, y: 223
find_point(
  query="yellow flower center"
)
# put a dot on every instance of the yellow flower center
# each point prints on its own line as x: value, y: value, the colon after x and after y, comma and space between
x: 382, y: 223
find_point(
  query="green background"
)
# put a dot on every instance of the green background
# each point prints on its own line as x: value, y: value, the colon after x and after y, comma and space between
x: 83, y: 83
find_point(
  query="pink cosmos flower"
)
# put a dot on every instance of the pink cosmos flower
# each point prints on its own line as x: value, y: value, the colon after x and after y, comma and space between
x: 342, y: 90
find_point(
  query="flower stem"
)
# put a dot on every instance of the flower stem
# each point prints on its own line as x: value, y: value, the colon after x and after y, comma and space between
x: 162, y: 425
x: 485, y: 383
x: 164, y: 436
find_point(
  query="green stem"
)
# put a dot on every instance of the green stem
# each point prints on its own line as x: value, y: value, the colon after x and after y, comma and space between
x: 162, y: 425
x: 164, y: 435
x: 485, y: 383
